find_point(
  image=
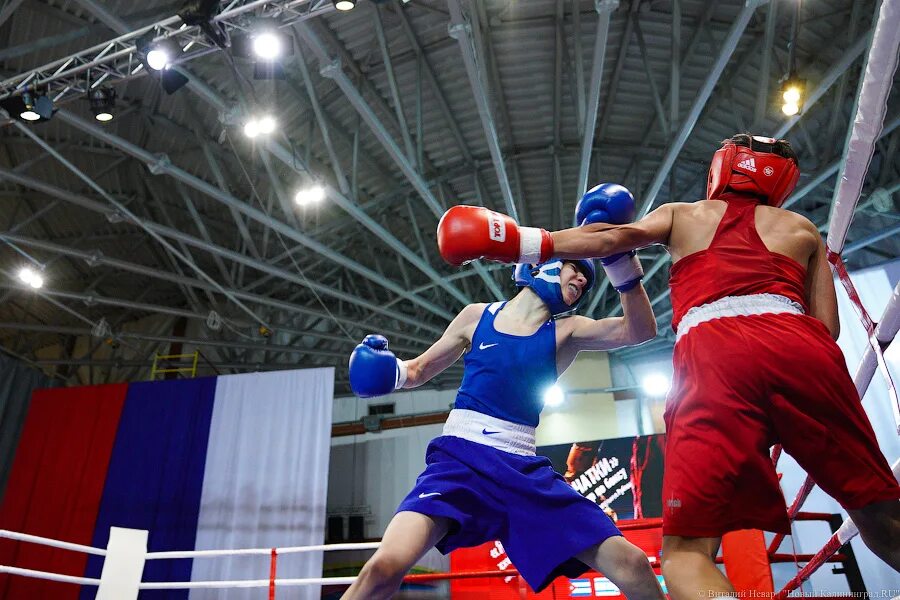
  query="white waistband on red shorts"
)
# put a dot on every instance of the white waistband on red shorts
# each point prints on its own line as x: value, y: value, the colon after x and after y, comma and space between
x: 490, y: 431
x: 736, y: 306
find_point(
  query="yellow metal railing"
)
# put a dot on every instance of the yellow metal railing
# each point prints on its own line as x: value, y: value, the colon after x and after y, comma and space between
x: 163, y: 363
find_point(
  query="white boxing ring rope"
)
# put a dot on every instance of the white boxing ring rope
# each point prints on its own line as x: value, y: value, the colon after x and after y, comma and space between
x: 35, y: 539
x: 242, y: 583
x: 265, y: 551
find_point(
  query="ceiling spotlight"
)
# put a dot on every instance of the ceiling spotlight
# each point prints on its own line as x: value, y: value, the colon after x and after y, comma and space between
x: 656, y: 384
x: 158, y: 54
x: 158, y: 59
x: 267, y: 45
x: 263, y: 125
x: 791, y: 95
x: 251, y: 128
x: 554, y: 396
x: 266, y: 125
x: 103, y: 101
x: 344, y: 5
x: 310, y: 195
x: 792, y: 92
x: 29, y: 106
x: 31, y: 277
x: 27, y: 112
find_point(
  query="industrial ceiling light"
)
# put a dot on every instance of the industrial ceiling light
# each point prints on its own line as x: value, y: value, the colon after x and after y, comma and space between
x: 29, y: 106
x: 792, y: 93
x: 251, y: 128
x: 28, y: 113
x: 261, y: 125
x: 161, y: 56
x: 29, y: 276
x: 157, y: 54
x: 267, y: 45
x: 267, y: 124
x: 103, y: 101
x: 344, y: 5
x: 311, y: 195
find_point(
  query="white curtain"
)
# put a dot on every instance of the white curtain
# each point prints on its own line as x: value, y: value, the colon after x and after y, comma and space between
x: 266, y: 478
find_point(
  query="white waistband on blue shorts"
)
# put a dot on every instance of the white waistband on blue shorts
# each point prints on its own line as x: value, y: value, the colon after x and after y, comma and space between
x: 736, y: 306
x: 484, y: 429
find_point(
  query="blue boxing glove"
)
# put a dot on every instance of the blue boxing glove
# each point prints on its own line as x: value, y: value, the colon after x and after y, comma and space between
x: 612, y: 203
x: 374, y: 370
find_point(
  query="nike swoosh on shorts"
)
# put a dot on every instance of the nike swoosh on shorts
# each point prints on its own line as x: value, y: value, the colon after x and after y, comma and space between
x: 429, y: 494
x: 486, y: 432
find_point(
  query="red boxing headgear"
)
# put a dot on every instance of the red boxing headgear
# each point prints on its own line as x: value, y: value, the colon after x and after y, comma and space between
x: 755, y: 165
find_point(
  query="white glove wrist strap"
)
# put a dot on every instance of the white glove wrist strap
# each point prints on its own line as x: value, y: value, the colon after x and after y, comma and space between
x: 529, y: 245
x: 401, y: 374
x: 628, y: 268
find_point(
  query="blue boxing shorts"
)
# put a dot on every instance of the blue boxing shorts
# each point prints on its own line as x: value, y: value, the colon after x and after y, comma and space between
x: 491, y: 494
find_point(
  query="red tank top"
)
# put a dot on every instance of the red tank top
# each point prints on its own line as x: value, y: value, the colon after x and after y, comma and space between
x: 737, y: 263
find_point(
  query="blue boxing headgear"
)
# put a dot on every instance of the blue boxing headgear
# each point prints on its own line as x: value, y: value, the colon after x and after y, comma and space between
x: 543, y: 279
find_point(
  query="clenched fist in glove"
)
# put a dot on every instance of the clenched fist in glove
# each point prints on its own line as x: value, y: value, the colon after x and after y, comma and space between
x: 466, y: 233
x: 612, y: 203
x: 374, y: 370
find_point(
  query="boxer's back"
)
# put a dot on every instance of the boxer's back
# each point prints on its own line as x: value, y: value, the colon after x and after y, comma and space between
x: 784, y: 232
x: 736, y: 247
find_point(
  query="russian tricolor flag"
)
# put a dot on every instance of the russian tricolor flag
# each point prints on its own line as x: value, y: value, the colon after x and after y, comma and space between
x: 238, y: 461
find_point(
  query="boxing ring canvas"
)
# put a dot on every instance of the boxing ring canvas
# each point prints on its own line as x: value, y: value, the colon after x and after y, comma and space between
x: 227, y: 462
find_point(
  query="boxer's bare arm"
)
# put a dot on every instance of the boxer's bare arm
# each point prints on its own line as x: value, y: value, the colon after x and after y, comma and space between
x: 820, y: 294
x: 447, y: 350
x: 636, y: 326
x: 603, y: 239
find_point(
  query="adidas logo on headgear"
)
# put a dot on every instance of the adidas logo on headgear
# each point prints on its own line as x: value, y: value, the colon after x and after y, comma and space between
x: 748, y: 164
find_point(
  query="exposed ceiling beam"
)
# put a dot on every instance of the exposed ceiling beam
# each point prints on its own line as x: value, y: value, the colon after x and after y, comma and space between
x: 463, y: 31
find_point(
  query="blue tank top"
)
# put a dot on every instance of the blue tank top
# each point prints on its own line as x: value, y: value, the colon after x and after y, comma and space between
x: 505, y: 376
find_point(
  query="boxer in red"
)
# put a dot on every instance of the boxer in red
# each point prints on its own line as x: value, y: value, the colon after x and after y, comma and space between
x: 755, y: 315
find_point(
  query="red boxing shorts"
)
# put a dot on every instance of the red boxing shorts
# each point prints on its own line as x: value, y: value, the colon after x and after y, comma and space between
x: 743, y: 384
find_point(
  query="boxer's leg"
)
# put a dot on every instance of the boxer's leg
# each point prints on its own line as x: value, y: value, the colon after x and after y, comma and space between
x: 626, y: 565
x: 408, y: 537
x: 689, y: 567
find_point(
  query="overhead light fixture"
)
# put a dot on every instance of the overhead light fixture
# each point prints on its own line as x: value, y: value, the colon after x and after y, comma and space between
x: 28, y: 111
x: 344, y: 5
x: 656, y: 384
x: 792, y: 90
x: 267, y: 40
x: 31, y: 277
x: 554, y: 396
x: 157, y: 54
x: 103, y: 101
x: 262, y: 125
x: 29, y: 106
x: 160, y: 56
x: 267, y: 45
x: 311, y: 195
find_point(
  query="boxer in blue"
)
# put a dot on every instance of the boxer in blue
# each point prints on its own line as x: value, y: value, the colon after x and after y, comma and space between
x: 482, y: 480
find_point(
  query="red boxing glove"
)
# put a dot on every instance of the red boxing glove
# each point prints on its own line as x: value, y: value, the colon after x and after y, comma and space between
x: 467, y: 233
